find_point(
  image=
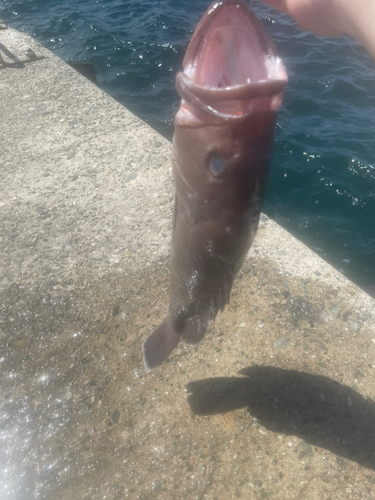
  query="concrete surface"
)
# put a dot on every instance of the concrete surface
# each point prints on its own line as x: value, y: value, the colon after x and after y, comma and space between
x: 277, y: 402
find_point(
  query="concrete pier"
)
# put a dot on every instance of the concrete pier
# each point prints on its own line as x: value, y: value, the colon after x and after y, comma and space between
x: 277, y: 402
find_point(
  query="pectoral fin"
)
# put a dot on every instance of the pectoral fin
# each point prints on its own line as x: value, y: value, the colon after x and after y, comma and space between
x: 194, y: 330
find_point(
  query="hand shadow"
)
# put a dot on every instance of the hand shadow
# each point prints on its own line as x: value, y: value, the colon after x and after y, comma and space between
x: 317, y: 409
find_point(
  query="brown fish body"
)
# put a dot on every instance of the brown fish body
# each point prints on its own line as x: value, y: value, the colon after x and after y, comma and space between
x: 221, y: 150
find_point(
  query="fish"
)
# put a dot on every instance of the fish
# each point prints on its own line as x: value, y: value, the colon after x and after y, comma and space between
x: 231, y: 87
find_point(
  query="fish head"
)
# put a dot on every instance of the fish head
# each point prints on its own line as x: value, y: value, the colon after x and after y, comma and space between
x: 231, y: 87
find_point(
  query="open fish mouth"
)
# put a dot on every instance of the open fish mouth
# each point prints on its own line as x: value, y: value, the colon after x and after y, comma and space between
x: 230, y: 57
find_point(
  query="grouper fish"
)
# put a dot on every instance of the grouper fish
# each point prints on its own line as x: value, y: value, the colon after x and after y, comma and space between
x: 231, y: 88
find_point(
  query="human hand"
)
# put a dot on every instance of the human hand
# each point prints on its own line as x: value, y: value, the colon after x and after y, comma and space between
x: 322, y: 17
x: 333, y: 17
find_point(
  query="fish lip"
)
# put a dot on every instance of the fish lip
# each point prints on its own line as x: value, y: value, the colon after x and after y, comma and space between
x: 254, y: 90
x: 277, y: 77
x: 198, y: 98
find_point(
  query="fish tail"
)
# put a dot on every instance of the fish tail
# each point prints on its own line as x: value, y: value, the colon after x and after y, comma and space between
x: 159, y: 344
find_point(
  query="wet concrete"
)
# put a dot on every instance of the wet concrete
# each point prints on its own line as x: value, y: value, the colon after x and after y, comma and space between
x: 277, y: 402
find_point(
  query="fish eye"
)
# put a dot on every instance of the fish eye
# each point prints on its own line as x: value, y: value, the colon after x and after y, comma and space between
x: 217, y: 165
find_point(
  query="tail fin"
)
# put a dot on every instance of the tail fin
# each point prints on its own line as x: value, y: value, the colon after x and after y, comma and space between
x: 159, y: 345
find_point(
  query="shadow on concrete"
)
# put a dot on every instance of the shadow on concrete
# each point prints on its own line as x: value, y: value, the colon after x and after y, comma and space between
x: 15, y: 60
x: 317, y: 409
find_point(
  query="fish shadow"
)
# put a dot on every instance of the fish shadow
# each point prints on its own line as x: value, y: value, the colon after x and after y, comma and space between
x: 315, y: 408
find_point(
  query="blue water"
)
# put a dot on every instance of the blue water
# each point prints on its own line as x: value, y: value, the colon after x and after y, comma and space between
x: 322, y: 181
